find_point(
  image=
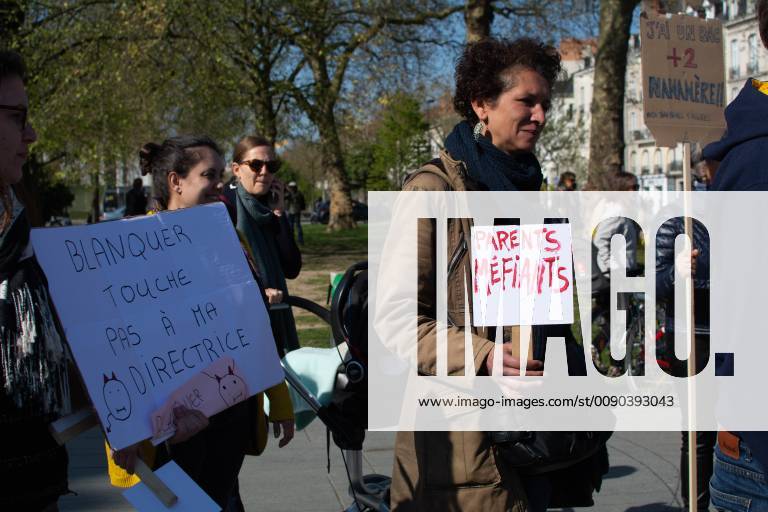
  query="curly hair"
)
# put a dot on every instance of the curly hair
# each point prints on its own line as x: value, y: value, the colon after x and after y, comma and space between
x: 482, y: 71
x: 175, y: 154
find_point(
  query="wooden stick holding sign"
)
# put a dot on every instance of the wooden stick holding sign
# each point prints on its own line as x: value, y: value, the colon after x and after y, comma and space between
x: 67, y: 428
x: 692, y: 465
x: 683, y: 101
x: 157, y: 486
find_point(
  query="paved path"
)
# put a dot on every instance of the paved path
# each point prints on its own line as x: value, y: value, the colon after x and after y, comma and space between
x: 644, y: 475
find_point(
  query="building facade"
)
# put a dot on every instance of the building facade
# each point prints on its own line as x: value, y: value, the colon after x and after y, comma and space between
x: 660, y: 168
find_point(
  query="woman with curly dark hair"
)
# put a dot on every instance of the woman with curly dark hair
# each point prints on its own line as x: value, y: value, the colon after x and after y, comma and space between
x: 503, y: 91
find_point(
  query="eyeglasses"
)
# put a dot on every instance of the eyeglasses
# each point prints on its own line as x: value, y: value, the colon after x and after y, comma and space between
x: 272, y: 165
x: 20, y: 118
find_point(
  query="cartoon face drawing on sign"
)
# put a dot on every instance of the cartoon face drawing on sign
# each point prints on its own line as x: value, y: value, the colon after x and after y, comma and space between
x: 117, y: 399
x: 231, y: 387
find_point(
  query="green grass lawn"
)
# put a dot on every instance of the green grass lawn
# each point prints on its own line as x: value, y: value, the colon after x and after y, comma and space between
x: 323, y: 253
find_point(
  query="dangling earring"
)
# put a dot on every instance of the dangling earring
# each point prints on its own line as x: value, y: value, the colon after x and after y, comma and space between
x: 479, y: 130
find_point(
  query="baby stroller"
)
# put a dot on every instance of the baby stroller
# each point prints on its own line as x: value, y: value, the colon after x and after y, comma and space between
x: 345, y: 415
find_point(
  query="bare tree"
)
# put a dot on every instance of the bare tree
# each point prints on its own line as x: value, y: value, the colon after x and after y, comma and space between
x: 328, y: 35
x: 606, y: 143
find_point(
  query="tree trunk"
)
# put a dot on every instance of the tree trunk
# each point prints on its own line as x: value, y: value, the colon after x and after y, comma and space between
x: 606, y: 141
x: 265, y: 120
x: 95, y: 198
x: 478, y: 17
x: 333, y: 164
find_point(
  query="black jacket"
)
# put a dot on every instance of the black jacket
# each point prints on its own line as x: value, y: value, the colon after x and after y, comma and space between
x: 665, y: 272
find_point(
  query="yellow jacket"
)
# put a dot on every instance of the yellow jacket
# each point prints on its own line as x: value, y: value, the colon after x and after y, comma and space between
x: 760, y: 86
x: 280, y: 409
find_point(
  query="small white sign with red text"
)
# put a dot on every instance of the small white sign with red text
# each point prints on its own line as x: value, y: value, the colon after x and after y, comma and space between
x: 522, y: 275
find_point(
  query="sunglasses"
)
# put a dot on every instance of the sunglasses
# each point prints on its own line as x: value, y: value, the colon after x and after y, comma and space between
x: 20, y: 118
x: 272, y: 165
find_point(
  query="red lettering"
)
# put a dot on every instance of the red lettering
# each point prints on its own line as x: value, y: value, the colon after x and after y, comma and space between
x: 549, y: 236
x: 513, y: 241
x: 503, y: 236
x: 528, y: 240
x: 479, y: 238
x: 515, y: 282
x: 563, y: 279
x: 504, y: 271
x: 481, y: 269
x: 551, y: 261
x: 525, y: 276
x: 494, y: 272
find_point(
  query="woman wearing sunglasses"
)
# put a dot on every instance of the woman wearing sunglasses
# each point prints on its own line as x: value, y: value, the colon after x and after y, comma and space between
x: 186, y: 171
x: 257, y: 200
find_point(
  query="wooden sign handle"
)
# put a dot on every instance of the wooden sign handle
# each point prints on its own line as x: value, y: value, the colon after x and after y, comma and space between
x: 518, y: 333
x: 67, y: 428
x: 693, y: 491
x: 157, y: 486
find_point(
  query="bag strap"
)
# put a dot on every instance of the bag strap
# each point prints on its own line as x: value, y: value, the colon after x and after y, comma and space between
x: 437, y: 167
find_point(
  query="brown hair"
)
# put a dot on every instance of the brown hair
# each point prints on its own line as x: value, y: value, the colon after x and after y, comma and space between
x: 246, y: 144
x: 483, y: 72
x: 175, y: 154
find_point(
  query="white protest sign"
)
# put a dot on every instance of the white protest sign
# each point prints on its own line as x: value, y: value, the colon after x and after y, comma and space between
x: 149, y: 302
x: 522, y: 275
x: 191, y: 498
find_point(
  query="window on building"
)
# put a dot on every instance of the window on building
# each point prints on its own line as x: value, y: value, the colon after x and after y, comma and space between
x: 735, y: 59
x: 733, y: 9
x: 645, y: 162
x: 633, y: 162
x: 753, y: 49
x: 658, y: 166
x: 633, y: 121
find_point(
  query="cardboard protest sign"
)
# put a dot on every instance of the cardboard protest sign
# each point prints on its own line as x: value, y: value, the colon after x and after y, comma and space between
x: 522, y: 275
x: 683, y: 78
x: 149, y: 303
x: 191, y: 498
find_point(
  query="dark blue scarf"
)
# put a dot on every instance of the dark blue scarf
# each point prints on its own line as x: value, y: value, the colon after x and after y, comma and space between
x: 491, y: 166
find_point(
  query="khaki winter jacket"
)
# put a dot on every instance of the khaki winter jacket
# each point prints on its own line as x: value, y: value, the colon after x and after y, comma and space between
x: 449, y: 471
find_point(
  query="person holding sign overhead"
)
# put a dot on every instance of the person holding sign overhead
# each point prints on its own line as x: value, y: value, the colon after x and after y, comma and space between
x: 186, y: 172
x: 34, y: 356
x: 257, y: 205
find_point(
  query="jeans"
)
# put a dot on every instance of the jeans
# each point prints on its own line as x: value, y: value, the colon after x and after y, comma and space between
x: 738, y: 485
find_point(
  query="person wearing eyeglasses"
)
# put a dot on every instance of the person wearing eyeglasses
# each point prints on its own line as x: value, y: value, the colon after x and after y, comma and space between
x: 257, y: 203
x: 34, y: 357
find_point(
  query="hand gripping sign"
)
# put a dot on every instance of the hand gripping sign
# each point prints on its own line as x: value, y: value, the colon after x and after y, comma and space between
x: 159, y: 310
